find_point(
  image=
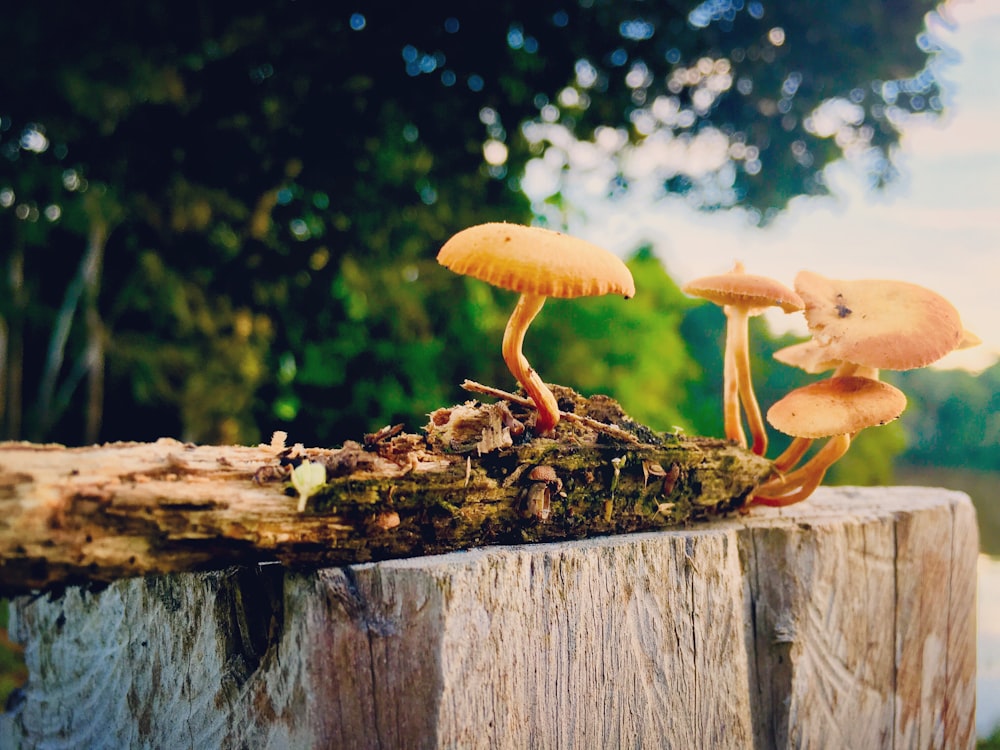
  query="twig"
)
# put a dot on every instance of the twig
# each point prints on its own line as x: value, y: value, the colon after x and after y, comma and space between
x: 608, y: 429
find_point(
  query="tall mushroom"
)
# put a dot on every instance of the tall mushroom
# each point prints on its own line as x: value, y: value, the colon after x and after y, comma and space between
x: 742, y: 295
x: 538, y: 263
x: 836, y: 408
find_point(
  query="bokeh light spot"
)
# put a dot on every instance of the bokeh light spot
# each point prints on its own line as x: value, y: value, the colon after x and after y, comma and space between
x: 319, y: 259
x: 495, y: 153
x: 33, y: 139
x: 636, y: 29
x: 515, y: 37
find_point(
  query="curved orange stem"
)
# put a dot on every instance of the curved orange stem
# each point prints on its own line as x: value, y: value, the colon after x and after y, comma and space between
x: 739, y: 321
x: 730, y: 384
x: 781, y: 491
x: 792, y: 454
x: 738, y: 390
x: 525, y: 310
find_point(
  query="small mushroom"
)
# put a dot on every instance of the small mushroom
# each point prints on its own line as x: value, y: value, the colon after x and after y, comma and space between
x: 545, y: 473
x: 741, y: 296
x: 544, y: 481
x: 537, y: 263
x: 810, y: 356
x: 836, y: 408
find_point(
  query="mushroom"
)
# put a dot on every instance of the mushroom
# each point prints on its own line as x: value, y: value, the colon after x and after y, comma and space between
x: 836, y: 408
x: 741, y: 296
x: 537, y: 263
x: 810, y: 356
x: 860, y: 327
x: 891, y: 325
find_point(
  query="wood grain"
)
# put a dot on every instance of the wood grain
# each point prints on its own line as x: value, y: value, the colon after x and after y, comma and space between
x: 846, y: 621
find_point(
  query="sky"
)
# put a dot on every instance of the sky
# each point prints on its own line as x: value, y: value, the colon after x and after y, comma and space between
x: 938, y: 225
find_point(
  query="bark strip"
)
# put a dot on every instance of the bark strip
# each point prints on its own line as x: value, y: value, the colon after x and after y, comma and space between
x: 474, y: 477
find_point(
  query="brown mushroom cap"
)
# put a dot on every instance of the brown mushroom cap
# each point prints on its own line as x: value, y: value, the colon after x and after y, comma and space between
x: 533, y: 260
x: 836, y: 406
x: 890, y: 325
x: 744, y: 290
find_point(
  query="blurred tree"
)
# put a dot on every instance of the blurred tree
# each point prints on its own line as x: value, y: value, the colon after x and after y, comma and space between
x: 952, y: 417
x: 631, y: 349
x: 219, y: 220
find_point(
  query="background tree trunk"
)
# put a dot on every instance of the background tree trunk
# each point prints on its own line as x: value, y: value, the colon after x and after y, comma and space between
x: 14, y: 355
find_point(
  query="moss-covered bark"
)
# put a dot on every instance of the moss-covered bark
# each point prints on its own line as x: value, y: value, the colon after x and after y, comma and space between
x: 475, y: 476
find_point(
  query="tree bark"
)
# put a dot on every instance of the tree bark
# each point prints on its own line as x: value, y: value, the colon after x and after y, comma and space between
x: 72, y: 515
x: 14, y: 357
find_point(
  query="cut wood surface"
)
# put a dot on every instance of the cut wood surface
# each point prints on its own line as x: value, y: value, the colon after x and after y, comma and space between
x: 474, y: 477
x: 847, y: 621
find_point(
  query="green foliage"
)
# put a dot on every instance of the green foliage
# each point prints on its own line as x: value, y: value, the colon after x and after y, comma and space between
x: 992, y: 742
x: 632, y: 350
x: 872, y: 456
x: 275, y: 180
x: 952, y: 417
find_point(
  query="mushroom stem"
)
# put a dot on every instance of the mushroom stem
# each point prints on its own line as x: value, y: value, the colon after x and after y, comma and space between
x: 738, y: 322
x: 730, y: 385
x: 779, y: 492
x: 849, y: 369
x: 792, y: 454
x: 525, y: 310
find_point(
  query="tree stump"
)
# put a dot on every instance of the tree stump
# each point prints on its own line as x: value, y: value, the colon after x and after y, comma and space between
x: 846, y: 621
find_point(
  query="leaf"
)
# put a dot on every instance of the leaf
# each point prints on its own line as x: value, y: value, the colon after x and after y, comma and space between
x: 307, y: 478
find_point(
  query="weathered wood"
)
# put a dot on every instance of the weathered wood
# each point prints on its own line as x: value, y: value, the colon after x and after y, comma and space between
x: 845, y: 621
x: 105, y: 512
x: 866, y: 622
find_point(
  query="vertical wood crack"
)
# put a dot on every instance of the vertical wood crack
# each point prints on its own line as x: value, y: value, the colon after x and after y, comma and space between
x: 351, y: 583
